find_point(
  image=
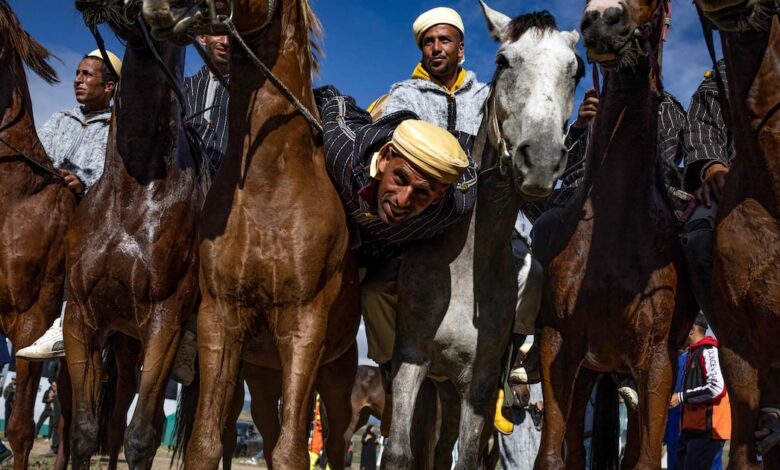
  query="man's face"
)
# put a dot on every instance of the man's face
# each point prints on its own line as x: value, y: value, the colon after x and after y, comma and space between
x: 218, y: 48
x: 404, y: 192
x: 442, y: 49
x: 89, y: 85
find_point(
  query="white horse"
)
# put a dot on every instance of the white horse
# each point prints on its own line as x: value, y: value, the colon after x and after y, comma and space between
x: 458, y: 293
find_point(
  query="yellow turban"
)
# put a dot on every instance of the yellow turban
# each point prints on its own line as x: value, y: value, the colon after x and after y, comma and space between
x: 115, y: 62
x: 431, y: 149
x: 440, y: 15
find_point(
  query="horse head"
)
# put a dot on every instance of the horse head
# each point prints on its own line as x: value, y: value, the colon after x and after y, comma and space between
x: 120, y: 15
x: 739, y: 15
x: 612, y: 30
x: 532, y: 96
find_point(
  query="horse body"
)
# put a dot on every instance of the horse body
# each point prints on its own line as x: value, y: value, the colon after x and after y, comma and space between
x: 279, y: 284
x: 614, y: 296
x: 458, y: 293
x: 132, y: 254
x: 35, y: 209
x: 746, y: 298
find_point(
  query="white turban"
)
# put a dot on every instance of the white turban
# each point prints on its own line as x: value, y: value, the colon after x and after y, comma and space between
x: 116, y: 63
x: 440, y: 15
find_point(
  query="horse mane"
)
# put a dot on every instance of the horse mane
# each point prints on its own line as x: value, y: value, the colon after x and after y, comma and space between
x: 15, y: 40
x: 543, y: 21
x: 307, y: 20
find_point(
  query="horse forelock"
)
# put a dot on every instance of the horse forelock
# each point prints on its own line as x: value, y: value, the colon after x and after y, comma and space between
x: 540, y: 21
x: 15, y: 40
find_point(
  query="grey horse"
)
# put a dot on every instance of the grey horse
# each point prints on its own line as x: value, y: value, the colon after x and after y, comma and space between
x: 458, y: 293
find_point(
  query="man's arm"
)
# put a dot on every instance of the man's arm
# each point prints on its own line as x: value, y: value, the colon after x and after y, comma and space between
x: 705, y: 139
x: 714, y: 386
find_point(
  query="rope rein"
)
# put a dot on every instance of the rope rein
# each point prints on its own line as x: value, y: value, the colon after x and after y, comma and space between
x: 315, y: 124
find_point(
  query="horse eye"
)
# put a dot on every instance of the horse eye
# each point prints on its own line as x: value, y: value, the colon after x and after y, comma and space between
x: 502, y: 62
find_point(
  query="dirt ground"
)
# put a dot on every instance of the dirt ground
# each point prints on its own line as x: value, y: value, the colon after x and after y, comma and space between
x: 41, y: 460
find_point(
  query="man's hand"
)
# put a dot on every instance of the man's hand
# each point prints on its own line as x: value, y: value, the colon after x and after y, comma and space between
x: 675, y: 401
x: 73, y: 181
x: 711, y: 189
x: 588, y: 110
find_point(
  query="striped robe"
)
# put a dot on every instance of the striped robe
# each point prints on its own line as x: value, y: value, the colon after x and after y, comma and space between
x: 350, y: 139
x: 211, y: 124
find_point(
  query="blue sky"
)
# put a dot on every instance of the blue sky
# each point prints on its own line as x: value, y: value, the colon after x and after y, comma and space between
x: 368, y: 46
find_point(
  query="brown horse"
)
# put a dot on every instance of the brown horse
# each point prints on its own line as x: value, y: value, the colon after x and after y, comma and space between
x: 745, y: 279
x: 131, y: 249
x: 35, y: 209
x: 368, y: 398
x: 614, y: 295
x: 276, y: 270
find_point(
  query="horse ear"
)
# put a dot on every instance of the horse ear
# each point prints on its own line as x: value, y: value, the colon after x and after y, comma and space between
x: 496, y: 21
x: 572, y: 37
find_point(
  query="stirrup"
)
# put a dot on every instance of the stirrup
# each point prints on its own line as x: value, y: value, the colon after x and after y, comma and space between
x: 500, y: 423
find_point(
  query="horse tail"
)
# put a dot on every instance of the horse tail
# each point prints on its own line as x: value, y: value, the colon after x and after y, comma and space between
x: 606, y: 426
x: 106, y: 400
x: 185, y: 418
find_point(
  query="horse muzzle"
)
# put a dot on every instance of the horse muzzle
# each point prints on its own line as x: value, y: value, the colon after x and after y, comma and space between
x: 608, y: 35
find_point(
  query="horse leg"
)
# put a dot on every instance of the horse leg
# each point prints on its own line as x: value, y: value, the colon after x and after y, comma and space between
x: 632, y: 451
x: 162, y: 340
x: 450, y: 424
x: 655, y: 391
x: 559, y: 372
x: 128, y: 350
x: 423, y: 432
x: 231, y: 433
x: 65, y: 396
x: 478, y: 403
x: 86, y: 366
x: 576, y: 454
x: 21, y: 426
x: 300, y: 336
x: 265, y: 388
x: 742, y: 379
x: 219, y: 356
x: 406, y: 385
x: 334, y: 384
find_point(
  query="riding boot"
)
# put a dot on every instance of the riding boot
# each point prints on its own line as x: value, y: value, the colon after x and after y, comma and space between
x: 528, y: 372
x: 385, y: 370
x: 184, y: 363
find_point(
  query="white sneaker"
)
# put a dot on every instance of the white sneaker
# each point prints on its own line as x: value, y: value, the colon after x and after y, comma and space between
x: 48, y: 346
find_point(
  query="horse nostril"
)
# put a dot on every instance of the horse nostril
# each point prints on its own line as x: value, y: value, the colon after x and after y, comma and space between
x: 526, y: 157
x: 613, y: 15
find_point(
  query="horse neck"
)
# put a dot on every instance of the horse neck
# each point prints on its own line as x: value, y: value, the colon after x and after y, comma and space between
x: 621, y: 165
x: 17, y: 126
x: 497, y: 201
x: 756, y: 171
x: 146, y: 105
x: 257, y: 107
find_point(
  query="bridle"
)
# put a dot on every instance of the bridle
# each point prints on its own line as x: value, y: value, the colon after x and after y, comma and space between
x: 226, y: 21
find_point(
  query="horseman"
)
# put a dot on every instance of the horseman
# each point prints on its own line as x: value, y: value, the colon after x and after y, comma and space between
x: 207, y: 109
x: 710, y: 153
x: 442, y: 92
x: 76, y: 140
